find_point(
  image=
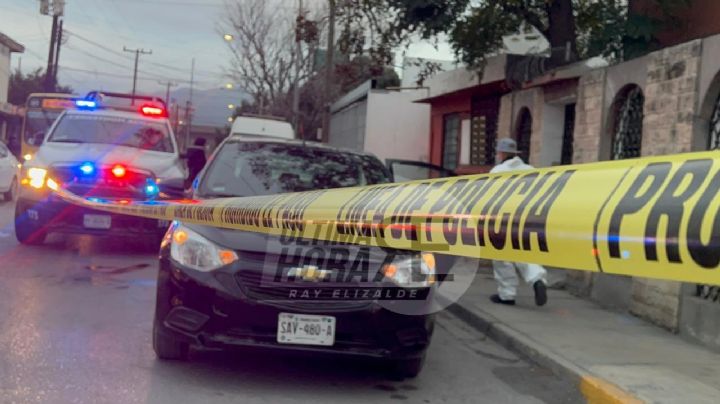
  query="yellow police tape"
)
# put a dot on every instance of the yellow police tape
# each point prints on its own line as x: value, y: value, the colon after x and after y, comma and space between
x: 651, y: 217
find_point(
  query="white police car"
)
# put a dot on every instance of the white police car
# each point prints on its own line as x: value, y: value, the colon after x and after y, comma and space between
x: 100, y: 150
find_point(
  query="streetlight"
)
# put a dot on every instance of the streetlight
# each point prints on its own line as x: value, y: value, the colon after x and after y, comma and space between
x: 230, y: 119
x: 228, y: 37
x: 231, y: 106
x: 229, y: 86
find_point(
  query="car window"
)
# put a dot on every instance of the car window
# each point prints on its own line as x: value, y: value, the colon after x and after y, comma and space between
x: 37, y: 123
x: 374, y: 170
x: 138, y: 133
x: 249, y: 168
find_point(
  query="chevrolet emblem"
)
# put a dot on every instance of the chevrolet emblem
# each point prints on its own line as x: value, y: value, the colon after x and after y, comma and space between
x: 309, y: 273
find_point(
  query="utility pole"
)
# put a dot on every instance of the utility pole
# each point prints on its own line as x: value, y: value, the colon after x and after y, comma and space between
x: 137, y: 53
x: 298, y: 67
x: 58, y: 42
x: 167, y: 89
x: 329, y: 67
x: 56, y: 8
x: 188, y: 106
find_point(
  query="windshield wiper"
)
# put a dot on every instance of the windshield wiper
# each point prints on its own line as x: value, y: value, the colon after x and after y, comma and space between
x: 221, y: 195
x: 67, y: 140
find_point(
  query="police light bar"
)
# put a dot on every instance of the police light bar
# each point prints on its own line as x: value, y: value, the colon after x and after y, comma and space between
x: 151, y: 110
x: 85, y: 104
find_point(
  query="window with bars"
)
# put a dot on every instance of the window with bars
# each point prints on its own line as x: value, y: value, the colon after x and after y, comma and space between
x: 483, y: 129
x: 523, y: 134
x: 627, y: 134
x: 451, y: 139
x: 707, y: 292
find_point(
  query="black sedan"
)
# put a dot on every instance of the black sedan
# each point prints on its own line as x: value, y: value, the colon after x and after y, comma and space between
x: 222, y: 288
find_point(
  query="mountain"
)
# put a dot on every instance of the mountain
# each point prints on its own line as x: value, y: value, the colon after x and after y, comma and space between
x: 211, y: 106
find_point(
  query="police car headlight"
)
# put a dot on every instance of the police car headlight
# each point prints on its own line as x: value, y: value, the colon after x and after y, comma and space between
x: 194, y: 251
x: 411, y: 271
x: 34, y: 176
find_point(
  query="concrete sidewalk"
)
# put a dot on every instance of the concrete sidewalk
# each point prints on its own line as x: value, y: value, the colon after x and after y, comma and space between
x: 614, y: 357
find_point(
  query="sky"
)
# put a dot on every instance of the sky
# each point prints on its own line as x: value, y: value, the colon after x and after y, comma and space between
x: 175, y: 30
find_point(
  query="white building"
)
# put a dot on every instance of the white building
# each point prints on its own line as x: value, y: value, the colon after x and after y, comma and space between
x: 387, y: 123
x: 7, y: 111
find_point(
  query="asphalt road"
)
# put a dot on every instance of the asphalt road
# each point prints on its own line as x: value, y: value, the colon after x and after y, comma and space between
x: 75, y: 321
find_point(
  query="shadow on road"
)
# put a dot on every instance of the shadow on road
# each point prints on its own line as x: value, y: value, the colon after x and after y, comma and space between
x: 295, y: 376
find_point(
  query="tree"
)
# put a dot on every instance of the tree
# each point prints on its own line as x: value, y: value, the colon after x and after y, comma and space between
x: 476, y: 28
x: 263, y: 48
x: 266, y: 64
x: 21, y: 85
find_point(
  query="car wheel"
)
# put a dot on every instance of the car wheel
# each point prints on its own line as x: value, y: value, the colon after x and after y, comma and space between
x: 27, y: 232
x: 167, y: 347
x: 408, y: 368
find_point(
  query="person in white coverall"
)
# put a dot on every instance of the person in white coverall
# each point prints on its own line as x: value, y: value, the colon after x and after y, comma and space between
x: 505, y: 271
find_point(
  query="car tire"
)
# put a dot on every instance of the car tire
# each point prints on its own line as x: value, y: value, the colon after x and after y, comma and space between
x: 26, y: 232
x: 408, y: 368
x: 169, y: 348
x: 11, y: 193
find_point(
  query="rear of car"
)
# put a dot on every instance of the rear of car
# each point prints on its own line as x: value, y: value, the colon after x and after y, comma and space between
x: 98, y: 153
x: 221, y: 288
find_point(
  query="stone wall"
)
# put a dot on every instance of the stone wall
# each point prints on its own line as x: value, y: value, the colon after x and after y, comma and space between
x: 589, y: 117
x: 671, y: 103
x: 681, y: 85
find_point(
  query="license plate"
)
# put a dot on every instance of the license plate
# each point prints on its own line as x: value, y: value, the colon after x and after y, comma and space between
x: 305, y: 329
x: 97, y: 221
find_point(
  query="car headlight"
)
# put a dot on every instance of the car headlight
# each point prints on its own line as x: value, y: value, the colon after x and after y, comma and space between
x: 35, y: 177
x: 411, y: 271
x: 192, y: 250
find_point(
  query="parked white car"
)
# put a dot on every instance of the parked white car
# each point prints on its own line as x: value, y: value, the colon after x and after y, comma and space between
x: 9, y: 174
x: 262, y: 126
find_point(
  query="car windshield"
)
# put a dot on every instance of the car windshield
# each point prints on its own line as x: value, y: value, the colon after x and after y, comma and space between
x: 38, y: 122
x: 140, y: 133
x: 248, y: 169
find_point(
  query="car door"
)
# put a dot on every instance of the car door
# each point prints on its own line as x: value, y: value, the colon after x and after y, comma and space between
x: 6, y: 167
x: 410, y: 170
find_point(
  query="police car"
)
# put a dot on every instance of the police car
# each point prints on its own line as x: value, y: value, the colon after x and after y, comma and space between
x: 111, y: 146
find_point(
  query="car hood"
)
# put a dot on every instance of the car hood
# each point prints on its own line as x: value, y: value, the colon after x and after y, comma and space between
x: 162, y: 165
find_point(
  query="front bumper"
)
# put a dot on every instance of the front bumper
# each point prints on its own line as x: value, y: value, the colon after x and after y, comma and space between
x: 211, y: 310
x: 57, y: 216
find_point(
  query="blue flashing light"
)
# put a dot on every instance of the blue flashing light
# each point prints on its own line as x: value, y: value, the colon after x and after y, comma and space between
x: 87, y: 168
x: 151, y: 189
x: 85, y: 104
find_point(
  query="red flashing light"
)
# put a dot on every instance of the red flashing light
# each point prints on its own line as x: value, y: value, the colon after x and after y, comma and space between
x: 150, y: 110
x: 118, y: 171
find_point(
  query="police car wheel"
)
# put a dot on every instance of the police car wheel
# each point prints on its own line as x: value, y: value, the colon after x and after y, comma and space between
x: 408, y: 368
x: 26, y: 232
x: 167, y: 347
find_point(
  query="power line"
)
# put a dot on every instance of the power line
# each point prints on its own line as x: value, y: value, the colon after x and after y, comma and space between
x: 125, y: 56
x: 124, y: 76
x: 177, y: 3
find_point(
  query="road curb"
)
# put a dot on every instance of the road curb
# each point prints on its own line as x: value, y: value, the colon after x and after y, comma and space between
x: 595, y: 389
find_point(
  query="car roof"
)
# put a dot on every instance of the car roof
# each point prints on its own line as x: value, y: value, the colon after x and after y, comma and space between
x: 114, y: 113
x: 296, y: 142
